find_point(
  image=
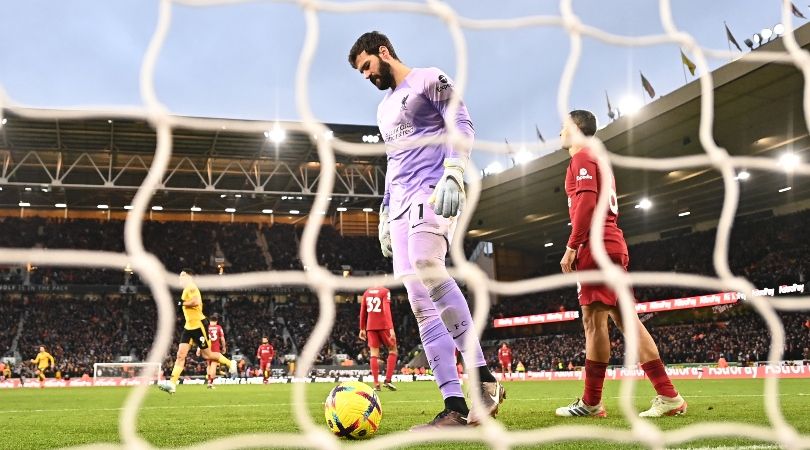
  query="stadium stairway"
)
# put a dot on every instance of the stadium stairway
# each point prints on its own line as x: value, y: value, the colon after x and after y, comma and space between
x: 286, y: 335
x: 478, y: 252
x: 262, y: 243
x: 15, y: 342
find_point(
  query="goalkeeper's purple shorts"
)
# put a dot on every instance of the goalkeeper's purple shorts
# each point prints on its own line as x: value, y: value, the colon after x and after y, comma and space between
x: 418, y: 218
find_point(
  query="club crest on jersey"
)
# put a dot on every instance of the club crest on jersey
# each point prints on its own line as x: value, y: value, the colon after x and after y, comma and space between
x: 404, y: 102
x: 583, y: 175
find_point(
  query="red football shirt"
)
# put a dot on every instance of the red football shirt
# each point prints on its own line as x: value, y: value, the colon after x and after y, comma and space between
x: 582, y: 184
x: 216, y: 335
x: 375, y: 310
x: 505, y: 353
x: 265, y: 352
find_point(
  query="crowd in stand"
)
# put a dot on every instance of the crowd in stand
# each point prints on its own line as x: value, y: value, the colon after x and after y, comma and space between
x: 83, y: 329
x: 193, y: 245
x: 768, y: 252
x: 738, y: 336
x: 10, y: 312
x: 76, y: 331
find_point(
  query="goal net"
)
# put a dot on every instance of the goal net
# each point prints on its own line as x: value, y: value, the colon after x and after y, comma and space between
x: 144, y: 372
x: 324, y: 283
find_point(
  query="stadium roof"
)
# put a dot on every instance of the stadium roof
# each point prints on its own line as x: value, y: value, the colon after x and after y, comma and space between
x: 86, y: 162
x: 758, y: 111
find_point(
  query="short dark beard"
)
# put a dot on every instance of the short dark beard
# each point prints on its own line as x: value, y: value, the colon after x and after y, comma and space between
x: 385, y: 80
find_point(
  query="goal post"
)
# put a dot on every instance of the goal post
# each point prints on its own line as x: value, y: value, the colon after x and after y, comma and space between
x: 127, y: 370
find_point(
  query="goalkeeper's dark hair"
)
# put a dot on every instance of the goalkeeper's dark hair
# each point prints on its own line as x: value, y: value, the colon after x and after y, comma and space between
x: 584, y: 120
x: 370, y: 43
x: 187, y: 271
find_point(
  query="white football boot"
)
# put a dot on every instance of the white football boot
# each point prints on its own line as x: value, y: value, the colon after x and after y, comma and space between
x: 578, y: 408
x: 167, y: 386
x: 665, y: 406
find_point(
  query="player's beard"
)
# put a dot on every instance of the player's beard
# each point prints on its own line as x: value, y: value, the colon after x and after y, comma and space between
x: 385, y: 80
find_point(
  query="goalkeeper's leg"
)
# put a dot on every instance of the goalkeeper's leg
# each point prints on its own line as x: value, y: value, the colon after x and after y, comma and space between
x: 427, y: 252
x: 438, y: 345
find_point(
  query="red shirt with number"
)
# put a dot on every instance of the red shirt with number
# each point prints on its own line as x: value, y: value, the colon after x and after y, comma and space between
x: 265, y: 352
x: 375, y: 310
x: 217, y: 337
x: 505, y: 354
x: 582, y: 185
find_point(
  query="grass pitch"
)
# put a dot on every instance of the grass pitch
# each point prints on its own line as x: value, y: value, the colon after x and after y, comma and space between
x: 54, y: 418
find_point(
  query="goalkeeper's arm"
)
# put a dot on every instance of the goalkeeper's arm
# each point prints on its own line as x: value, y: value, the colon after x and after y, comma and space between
x: 448, y: 198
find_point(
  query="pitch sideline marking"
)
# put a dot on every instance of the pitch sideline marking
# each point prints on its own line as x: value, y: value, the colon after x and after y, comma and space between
x: 389, y: 401
x: 745, y: 447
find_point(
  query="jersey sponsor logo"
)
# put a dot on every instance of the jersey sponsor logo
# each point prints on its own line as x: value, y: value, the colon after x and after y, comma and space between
x: 402, y: 130
x: 583, y: 175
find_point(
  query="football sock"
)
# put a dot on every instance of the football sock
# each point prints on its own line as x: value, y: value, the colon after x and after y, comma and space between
x: 210, y: 379
x: 441, y: 355
x: 594, y: 380
x: 456, y: 404
x: 485, y: 376
x: 436, y: 340
x: 225, y: 361
x: 390, y: 365
x: 176, y: 371
x: 375, y: 369
x: 657, y: 374
x: 456, y: 316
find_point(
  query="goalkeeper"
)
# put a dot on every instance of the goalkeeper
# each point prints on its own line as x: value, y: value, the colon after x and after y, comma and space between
x: 195, y: 331
x: 43, y: 362
x: 424, y: 194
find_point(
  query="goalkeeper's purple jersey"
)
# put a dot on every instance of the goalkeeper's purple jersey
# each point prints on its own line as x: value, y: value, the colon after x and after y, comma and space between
x: 414, y: 110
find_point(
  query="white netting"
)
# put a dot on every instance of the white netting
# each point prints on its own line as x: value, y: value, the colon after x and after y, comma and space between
x: 324, y: 283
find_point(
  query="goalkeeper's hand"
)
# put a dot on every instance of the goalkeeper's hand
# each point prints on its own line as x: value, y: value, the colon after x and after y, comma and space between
x: 384, y: 230
x: 448, y: 198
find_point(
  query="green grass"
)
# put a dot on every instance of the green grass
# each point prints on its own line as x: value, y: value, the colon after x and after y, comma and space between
x: 52, y: 418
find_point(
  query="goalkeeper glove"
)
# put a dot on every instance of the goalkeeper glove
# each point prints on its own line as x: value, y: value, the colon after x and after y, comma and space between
x: 448, y: 198
x: 384, y: 230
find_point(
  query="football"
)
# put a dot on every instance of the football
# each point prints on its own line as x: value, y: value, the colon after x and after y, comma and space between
x: 352, y: 410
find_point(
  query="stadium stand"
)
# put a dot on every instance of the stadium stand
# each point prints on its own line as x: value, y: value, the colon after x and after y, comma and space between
x: 83, y: 328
